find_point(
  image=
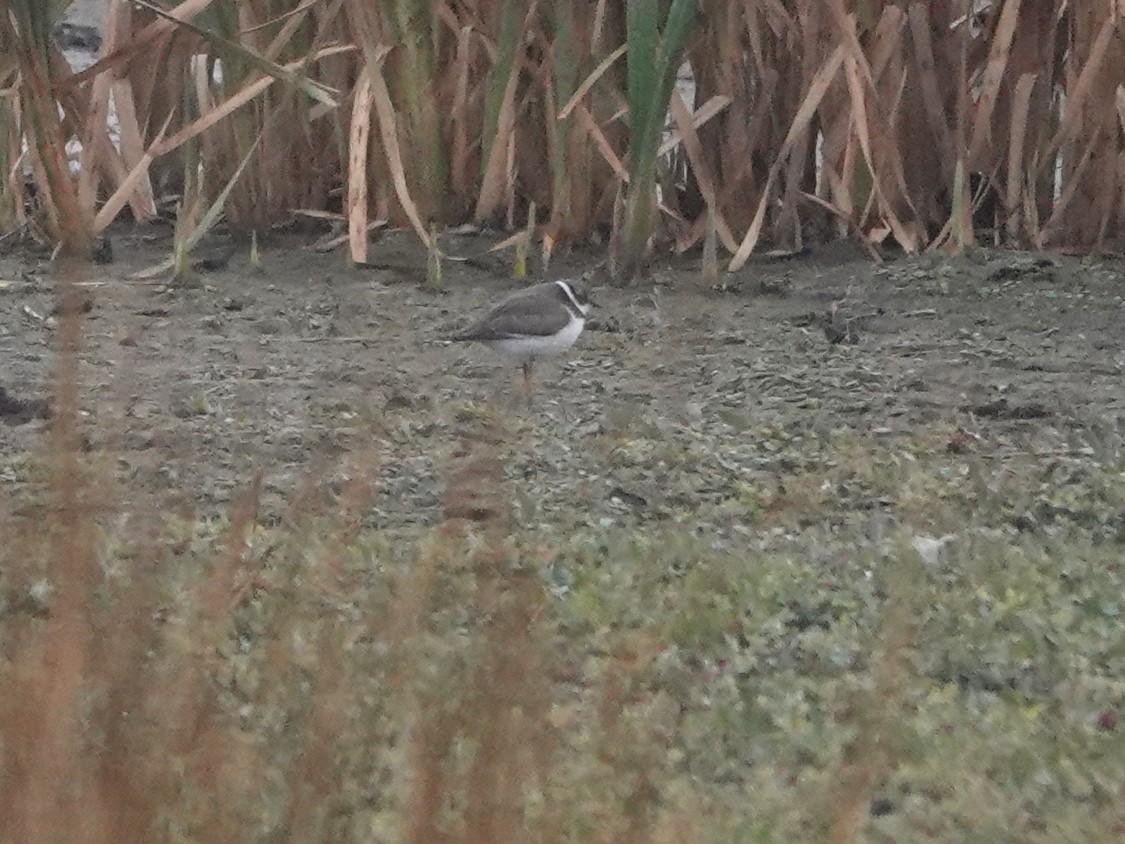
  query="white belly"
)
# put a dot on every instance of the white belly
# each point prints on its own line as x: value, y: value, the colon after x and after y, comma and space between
x: 527, y: 349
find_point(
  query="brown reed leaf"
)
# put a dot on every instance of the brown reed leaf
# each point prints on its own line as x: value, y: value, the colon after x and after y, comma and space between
x: 845, y: 23
x: 66, y: 216
x: 140, y: 198
x: 94, y: 124
x: 714, y: 106
x: 55, y: 796
x: 126, y: 191
x: 1119, y: 103
x: 315, y: 780
x: 1077, y: 94
x: 388, y: 130
x: 586, y: 84
x: 313, y: 89
x: 1069, y: 190
x: 915, y: 71
x: 872, y: 755
x: 154, y: 31
x: 702, y: 171
x: 818, y: 86
x: 601, y: 143
x: 886, y: 44
x: 906, y: 238
x: 86, y: 116
x: 294, y: 19
x: 993, y: 77
x: 217, y: 112
x: 868, y: 239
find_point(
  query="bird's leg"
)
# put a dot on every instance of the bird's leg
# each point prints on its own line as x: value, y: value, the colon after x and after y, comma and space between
x: 527, y: 378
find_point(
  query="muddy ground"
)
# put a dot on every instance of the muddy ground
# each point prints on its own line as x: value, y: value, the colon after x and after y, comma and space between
x: 672, y: 404
x: 732, y: 498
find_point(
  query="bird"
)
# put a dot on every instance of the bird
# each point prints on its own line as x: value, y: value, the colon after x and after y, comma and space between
x: 540, y: 321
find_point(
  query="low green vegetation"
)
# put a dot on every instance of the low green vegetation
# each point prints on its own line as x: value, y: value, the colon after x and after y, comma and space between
x: 894, y: 644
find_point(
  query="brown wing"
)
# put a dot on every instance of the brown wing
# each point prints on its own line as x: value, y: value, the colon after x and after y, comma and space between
x: 527, y: 314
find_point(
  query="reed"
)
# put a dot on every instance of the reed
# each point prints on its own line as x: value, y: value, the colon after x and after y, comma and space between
x: 29, y: 28
x: 904, y: 125
x: 655, y: 48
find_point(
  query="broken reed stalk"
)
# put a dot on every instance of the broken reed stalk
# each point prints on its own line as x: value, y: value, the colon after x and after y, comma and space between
x: 189, y: 210
x: 710, y: 270
x: 433, y: 260
x: 873, y: 755
x: 523, y: 244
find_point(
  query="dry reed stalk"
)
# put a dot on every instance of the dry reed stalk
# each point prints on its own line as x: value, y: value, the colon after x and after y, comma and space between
x: 459, y: 172
x: 401, y: 81
x: 993, y: 76
x: 872, y: 756
x: 930, y: 80
x: 184, y: 744
x: 30, y: 24
x: 315, y: 781
x: 12, y: 198
x: 1098, y: 48
x: 507, y: 702
x: 86, y: 119
x: 589, y: 136
x: 500, y: 132
x: 139, y: 191
x: 1017, y: 141
x: 536, y: 102
x: 717, y: 58
x: 431, y: 731
x: 714, y: 220
x: 214, y: 112
x: 156, y: 30
x: 710, y: 270
x: 877, y: 158
x: 417, y: 72
x: 818, y: 87
x: 558, y: 86
x: 135, y: 189
x: 50, y: 792
x: 627, y: 755
x: 358, y: 145
x: 498, y: 704
x: 244, y: 101
x: 388, y: 130
x: 93, y: 125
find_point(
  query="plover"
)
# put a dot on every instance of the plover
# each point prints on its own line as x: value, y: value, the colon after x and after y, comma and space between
x: 538, y: 322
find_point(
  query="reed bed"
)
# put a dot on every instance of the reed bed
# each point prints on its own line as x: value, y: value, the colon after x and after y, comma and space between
x: 909, y: 125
